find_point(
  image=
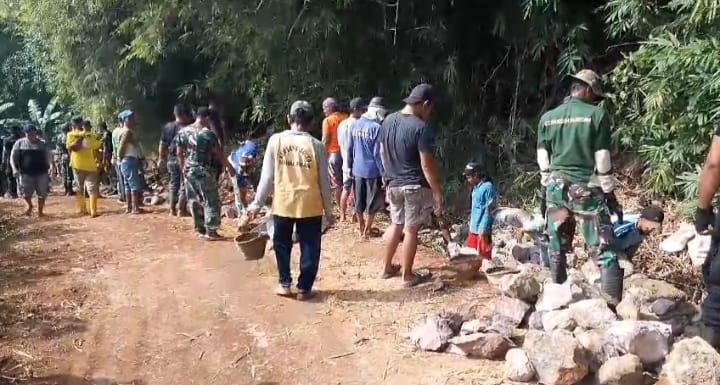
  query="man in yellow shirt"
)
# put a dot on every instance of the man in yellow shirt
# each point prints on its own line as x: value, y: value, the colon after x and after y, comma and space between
x: 295, y: 169
x: 83, y: 146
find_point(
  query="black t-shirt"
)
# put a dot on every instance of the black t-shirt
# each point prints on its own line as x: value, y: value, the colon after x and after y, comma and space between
x: 169, y: 137
x: 403, y: 138
x: 107, y: 142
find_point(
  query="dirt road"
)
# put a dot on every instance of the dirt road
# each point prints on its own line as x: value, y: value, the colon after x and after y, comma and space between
x: 140, y: 300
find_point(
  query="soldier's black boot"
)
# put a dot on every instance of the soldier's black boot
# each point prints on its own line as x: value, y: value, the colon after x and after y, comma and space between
x: 558, y: 269
x: 611, y: 282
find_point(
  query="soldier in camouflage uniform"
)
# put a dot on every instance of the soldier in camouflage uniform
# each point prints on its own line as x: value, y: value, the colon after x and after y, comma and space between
x: 198, y: 148
x: 574, y: 157
x: 65, y: 170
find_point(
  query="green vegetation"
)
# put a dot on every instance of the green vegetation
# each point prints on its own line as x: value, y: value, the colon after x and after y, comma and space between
x: 499, y: 63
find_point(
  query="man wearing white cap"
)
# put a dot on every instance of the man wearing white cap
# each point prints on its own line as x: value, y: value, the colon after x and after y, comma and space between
x: 295, y: 169
x: 357, y: 108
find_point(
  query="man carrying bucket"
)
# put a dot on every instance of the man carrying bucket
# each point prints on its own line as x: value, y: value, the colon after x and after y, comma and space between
x: 295, y: 168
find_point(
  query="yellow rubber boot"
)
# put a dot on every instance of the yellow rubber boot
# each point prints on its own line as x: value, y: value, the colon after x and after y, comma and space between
x: 80, y: 200
x: 93, y: 206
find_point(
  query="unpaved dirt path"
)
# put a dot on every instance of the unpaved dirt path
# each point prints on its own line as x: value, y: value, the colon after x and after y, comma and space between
x: 140, y: 300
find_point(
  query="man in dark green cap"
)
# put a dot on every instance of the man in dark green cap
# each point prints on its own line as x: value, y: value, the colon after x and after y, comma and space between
x: 573, y: 153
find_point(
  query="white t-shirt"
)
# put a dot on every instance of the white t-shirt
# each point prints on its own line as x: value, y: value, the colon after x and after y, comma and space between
x: 344, y: 137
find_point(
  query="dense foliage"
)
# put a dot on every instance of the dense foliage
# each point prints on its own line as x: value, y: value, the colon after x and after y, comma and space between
x: 499, y: 63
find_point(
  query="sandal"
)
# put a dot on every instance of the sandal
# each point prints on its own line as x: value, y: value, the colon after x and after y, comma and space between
x: 394, y: 270
x: 417, y: 280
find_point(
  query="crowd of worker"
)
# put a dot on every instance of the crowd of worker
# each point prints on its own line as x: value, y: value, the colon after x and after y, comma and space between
x: 366, y: 160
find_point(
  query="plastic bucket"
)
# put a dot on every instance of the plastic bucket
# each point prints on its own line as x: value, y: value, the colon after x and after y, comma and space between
x: 251, y: 245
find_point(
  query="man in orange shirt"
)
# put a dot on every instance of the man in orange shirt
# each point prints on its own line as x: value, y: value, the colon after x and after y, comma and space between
x: 333, y: 117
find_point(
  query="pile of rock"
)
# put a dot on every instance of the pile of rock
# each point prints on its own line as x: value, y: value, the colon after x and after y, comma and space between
x: 563, y: 334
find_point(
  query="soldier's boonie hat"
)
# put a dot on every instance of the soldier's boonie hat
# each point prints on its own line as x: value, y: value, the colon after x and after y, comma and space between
x: 592, y: 79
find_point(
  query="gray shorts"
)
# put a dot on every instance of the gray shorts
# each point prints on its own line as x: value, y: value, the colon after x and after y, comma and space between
x: 88, y: 180
x: 410, y: 205
x: 335, y: 163
x: 38, y: 184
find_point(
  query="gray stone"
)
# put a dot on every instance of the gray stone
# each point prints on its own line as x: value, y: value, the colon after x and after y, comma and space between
x: 677, y: 324
x: 592, y: 314
x: 629, y: 307
x: 649, y: 340
x: 454, y: 320
x: 469, y: 310
x: 523, y: 252
x: 651, y: 289
x: 511, y: 308
x: 557, y: 357
x: 523, y: 286
x: 558, y: 319
x: 625, y: 370
x: 692, y: 361
x: 663, y: 306
x: 432, y: 335
x: 518, y: 367
x: 489, y: 346
x: 157, y: 200
x: 541, y: 274
x: 535, y: 320
x: 472, y: 326
x: 591, y: 271
x: 598, y: 347
x: 502, y: 325
x: 555, y: 296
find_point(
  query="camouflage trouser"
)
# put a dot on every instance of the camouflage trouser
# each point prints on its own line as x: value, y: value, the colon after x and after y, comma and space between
x: 568, y: 204
x: 204, y: 186
x: 67, y: 172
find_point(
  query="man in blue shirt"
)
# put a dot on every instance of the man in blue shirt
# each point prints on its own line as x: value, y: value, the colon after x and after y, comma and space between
x: 630, y: 232
x: 366, y: 167
x: 242, y: 160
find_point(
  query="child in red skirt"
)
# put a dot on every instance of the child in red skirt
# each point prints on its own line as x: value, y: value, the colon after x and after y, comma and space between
x: 481, y: 210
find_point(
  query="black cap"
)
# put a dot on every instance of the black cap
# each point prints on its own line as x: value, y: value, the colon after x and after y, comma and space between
x: 653, y: 213
x: 472, y: 168
x: 77, y: 120
x: 421, y: 93
x: 358, y: 104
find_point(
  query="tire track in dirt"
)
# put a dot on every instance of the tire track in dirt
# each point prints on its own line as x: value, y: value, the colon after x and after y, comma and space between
x: 180, y: 310
x: 164, y: 307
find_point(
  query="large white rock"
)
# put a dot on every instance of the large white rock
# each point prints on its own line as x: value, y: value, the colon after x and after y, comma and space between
x: 433, y: 334
x: 518, y: 367
x: 523, y: 286
x: 625, y: 370
x: 592, y: 314
x: 558, y: 319
x: 649, y: 340
x: 692, y: 361
x: 557, y: 357
x: 512, y: 309
x: 555, y: 296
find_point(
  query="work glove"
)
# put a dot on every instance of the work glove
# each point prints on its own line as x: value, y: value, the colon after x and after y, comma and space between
x: 703, y: 219
x: 614, y: 205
